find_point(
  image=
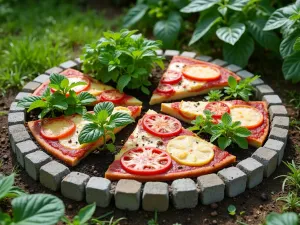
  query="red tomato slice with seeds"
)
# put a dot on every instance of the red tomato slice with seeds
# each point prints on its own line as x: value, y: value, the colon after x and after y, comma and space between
x: 201, y: 72
x: 146, y: 161
x: 171, y: 77
x: 113, y: 96
x: 165, y: 89
x: 161, y: 125
x: 57, y: 128
x: 217, y: 109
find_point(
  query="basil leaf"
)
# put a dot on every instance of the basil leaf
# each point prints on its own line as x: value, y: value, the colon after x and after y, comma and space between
x: 276, y: 20
x: 123, y: 82
x: 242, y: 132
x: 90, y: 117
x: 102, y: 116
x: 6, y: 184
x: 291, y: 67
x: 288, y: 218
x: 287, y: 45
x: 241, y: 141
x: 134, y: 15
x: 296, y: 46
x: 226, y: 119
x: 58, y: 101
x: 121, y: 119
x: 75, y: 84
x: 231, y: 34
x: 232, y: 82
x: 199, y: 5
x: 44, y: 112
x: 108, y: 106
x: 36, y: 209
x: 27, y: 101
x: 37, y: 104
x: 91, y: 132
x: 86, y: 213
x: 56, y: 79
x: 222, y: 10
x: 237, y: 5
x: 86, y: 98
x: 224, y: 142
x: 64, y: 83
x: 46, y: 93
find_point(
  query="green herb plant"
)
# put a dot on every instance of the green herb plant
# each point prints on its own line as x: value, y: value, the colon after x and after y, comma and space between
x: 164, y: 14
x: 291, y: 202
x: 202, y: 124
x: 84, y: 216
x: 231, y: 210
x: 287, y: 20
x: 292, y: 178
x: 124, y: 57
x: 63, y: 101
x: 289, y: 218
x: 102, y: 124
x: 214, y: 95
x: 237, y: 23
x: 154, y: 221
x: 7, y: 190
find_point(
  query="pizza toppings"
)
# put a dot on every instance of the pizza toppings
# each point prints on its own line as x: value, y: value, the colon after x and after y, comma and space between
x: 200, y: 72
x: 249, y: 116
x: 171, y: 77
x: 113, y: 96
x: 191, y: 109
x: 79, y: 88
x: 146, y: 161
x: 217, y: 109
x: 190, y: 150
x: 161, y: 125
x: 56, y: 128
x: 165, y: 89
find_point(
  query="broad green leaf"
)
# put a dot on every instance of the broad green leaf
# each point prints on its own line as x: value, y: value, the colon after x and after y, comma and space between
x: 291, y: 67
x: 37, y: 209
x: 15, y: 192
x: 75, y: 84
x: 240, y: 53
x: 86, y: 98
x: 5, y: 218
x: 27, y: 101
x: 121, y: 119
x: 232, y: 82
x: 223, y: 10
x: 58, y: 101
x: 241, y: 141
x: 134, y: 15
x: 226, y: 119
x: 231, y: 209
x: 287, y: 45
x: 37, y: 104
x: 46, y: 93
x: 89, y: 117
x: 199, y: 5
x: 276, y: 20
x: 56, y: 79
x: 167, y: 30
x: 237, y: 5
x: 203, y: 26
x: 215, y: 136
x: 297, y: 44
x: 289, y: 218
x: 91, y: 132
x: 44, y: 112
x: 6, y: 184
x: 108, y: 106
x: 231, y: 34
x: 242, y: 132
x: 64, y: 83
x: 223, y: 142
x: 86, y: 213
x: 102, y: 116
x: 123, y: 82
x: 145, y: 90
x: 111, y: 147
x: 267, y: 39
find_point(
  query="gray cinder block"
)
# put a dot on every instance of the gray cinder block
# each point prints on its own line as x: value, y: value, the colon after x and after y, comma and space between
x: 281, y: 122
x: 277, y: 146
x: 219, y: 62
x: 15, y: 108
x: 279, y: 134
x: 170, y: 53
x: 262, y: 90
x: 277, y: 110
x: 22, y: 95
x: 16, y: 118
x: 98, y: 190
x: 204, y: 58
x: 272, y: 100
x: 31, y: 86
x: 68, y: 64
x: 188, y: 54
x: 53, y: 70
x: 42, y: 78
x: 245, y: 74
x: 18, y: 137
x: 254, y: 171
x: 268, y: 158
x: 156, y: 196
x: 34, y: 161
x: 233, y: 68
x: 159, y: 52
x: 24, y: 148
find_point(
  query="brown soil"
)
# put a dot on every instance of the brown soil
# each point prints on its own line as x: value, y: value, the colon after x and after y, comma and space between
x: 255, y: 203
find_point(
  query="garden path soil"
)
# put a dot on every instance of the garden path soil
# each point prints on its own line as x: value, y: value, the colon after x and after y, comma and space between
x: 254, y: 204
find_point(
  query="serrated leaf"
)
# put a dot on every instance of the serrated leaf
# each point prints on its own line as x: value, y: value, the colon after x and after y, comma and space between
x: 240, y: 53
x: 237, y: 5
x: 296, y: 46
x: 291, y: 67
x: 134, y: 15
x: 267, y: 39
x: 86, y: 213
x: 224, y: 142
x: 91, y: 132
x: 89, y: 117
x: 108, y: 106
x: 167, y: 30
x: 287, y: 45
x: 37, y: 104
x: 226, y: 119
x: 231, y: 34
x: 123, y: 82
x: 6, y: 184
x: 56, y: 79
x: 121, y: 119
x: 27, y: 101
x: 86, y: 98
x: 276, y: 20
x: 199, y: 5
x: 37, y: 209
x: 64, y: 83
x: 204, y: 25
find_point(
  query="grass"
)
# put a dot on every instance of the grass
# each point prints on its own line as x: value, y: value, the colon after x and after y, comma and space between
x: 36, y: 35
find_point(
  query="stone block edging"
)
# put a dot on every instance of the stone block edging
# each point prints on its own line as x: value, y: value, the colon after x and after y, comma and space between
x: 133, y: 195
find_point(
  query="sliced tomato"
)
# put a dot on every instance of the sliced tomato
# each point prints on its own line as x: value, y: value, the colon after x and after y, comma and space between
x: 165, y: 89
x: 161, y: 125
x: 217, y: 109
x: 113, y: 96
x: 75, y: 79
x: 201, y: 72
x: 57, y: 128
x: 171, y: 77
x: 146, y: 161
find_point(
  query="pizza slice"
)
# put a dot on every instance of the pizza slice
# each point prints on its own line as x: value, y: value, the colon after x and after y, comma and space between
x: 252, y: 115
x: 186, y: 77
x: 161, y: 149
x: 59, y: 136
x: 102, y: 92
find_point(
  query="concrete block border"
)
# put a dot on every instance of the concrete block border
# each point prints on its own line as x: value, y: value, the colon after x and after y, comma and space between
x: 133, y: 195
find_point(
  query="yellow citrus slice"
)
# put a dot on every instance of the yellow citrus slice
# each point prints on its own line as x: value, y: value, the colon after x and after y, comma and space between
x: 191, y: 150
x: 249, y: 116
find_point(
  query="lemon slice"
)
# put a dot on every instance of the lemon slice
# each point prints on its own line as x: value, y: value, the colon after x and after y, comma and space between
x: 249, y: 116
x: 191, y: 150
x: 192, y: 109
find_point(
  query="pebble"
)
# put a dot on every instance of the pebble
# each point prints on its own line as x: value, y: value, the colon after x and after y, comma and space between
x: 264, y: 196
x: 5, y: 157
x: 214, y: 222
x: 70, y: 207
x: 214, y: 213
x: 214, y: 205
x: 205, y: 221
x: 2, y: 140
x: 261, y: 207
x: 95, y: 172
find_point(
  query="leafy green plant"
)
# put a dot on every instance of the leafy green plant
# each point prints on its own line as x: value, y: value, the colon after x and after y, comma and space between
x: 242, y: 90
x: 292, y: 178
x: 291, y: 201
x: 154, y: 221
x: 214, y: 95
x: 7, y: 190
x: 289, y: 218
x: 64, y: 100
x: 202, y: 124
x: 287, y: 20
x: 294, y: 99
x: 102, y: 124
x: 231, y: 210
x: 84, y: 216
x: 124, y: 57
x: 237, y: 23
x: 164, y: 13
